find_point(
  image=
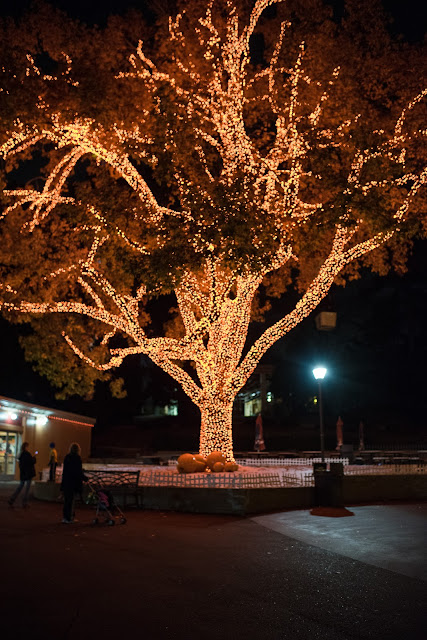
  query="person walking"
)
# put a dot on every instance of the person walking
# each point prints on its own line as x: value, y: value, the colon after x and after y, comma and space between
x: 27, y: 472
x: 72, y: 481
x: 53, y: 462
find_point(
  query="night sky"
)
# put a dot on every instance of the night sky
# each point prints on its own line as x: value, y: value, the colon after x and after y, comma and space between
x: 376, y: 355
x: 408, y: 17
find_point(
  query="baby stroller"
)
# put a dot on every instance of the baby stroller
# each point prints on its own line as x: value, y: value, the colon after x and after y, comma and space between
x: 105, y: 505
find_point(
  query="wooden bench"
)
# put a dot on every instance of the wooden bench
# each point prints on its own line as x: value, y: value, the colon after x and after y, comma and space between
x: 120, y: 483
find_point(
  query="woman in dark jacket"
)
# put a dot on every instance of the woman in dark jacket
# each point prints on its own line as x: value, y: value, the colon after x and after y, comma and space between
x: 72, y: 481
x: 26, y: 474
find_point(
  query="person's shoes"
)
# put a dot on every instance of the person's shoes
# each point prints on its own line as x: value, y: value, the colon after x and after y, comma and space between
x: 65, y: 521
x: 10, y: 503
x: 25, y: 506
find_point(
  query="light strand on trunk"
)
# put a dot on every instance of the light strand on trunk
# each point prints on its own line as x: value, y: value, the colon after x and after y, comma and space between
x: 265, y: 202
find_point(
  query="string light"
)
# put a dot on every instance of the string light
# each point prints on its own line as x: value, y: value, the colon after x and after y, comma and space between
x: 215, y: 299
x: 35, y: 415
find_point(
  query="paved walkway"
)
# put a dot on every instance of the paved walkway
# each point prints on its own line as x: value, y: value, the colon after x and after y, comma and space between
x: 391, y: 537
x: 173, y: 576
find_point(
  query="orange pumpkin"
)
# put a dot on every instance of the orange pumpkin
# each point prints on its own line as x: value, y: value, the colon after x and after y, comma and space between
x: 188, y: 463
x: 214, y: 457
x: 201, y: 460
x: 218, y: 467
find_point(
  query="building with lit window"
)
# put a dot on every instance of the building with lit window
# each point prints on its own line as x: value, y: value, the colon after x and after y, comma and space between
x: 24, y: 422
x: 255, y: 397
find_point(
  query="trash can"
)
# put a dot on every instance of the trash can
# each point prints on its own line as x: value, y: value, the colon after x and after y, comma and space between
x: 328, y: 485
x: 347, y: 452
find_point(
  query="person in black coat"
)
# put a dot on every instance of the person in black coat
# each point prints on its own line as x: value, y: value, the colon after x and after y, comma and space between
x: 26, y: 474
x: 72, y: 481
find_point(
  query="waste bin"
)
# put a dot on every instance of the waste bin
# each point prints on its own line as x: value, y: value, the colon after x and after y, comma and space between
x: 328, y: 485
x: 347, y: 452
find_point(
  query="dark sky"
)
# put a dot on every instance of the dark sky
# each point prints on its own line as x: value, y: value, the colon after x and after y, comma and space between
x: 377, y: 354
x: 409, y: 15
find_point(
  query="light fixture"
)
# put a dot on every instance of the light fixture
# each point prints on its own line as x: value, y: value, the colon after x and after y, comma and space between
x: 319, y: 373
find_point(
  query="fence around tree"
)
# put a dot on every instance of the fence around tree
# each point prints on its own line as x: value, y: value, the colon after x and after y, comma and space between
x: 287, y: 473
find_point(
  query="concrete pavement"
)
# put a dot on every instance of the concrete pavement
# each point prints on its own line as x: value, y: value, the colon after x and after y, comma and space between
x: 174, y: 575
x: 391, y: 537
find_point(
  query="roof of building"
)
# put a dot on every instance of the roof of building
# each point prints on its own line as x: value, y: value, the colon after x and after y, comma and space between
x: 29, y: 408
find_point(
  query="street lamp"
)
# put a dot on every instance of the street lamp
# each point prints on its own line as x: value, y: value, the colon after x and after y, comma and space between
x: 319, y: 373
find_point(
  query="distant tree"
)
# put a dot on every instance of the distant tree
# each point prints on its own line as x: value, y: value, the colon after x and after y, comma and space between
x: 232, y: 159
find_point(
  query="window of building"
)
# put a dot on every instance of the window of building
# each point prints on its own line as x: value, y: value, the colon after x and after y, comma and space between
x: 9, y: 450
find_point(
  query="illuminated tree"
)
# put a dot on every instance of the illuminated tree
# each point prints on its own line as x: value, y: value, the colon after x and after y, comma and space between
x: 257, y: 173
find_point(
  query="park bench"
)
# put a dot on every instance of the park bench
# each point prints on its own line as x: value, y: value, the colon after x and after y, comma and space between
x: 122, y: 484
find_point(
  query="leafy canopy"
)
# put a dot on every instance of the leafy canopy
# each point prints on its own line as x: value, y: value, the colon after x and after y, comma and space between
x: 236, y: 138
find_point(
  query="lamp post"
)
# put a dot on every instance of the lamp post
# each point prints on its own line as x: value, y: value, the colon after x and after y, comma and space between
x: 319, y: 373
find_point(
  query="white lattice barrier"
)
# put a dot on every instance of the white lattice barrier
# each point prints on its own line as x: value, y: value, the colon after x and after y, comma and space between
x: 297, y: 479
x: 216, y: 480
x: 286, y: 462
x: 386, y: 470
x: 285, y: 473
x: 278, y: 462
x: 92, y: 466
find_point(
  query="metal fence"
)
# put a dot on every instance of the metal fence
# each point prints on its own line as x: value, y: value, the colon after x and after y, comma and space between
x: 206, y: 480
x: 397, y: 446
x: 283, y: 476
x: 386, y: 470
x: 286, y: 462
x: 278, y: 462
x: 298, y: 480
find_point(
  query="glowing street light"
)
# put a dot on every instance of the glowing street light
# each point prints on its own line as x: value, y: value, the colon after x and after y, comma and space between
x: 319, y: 373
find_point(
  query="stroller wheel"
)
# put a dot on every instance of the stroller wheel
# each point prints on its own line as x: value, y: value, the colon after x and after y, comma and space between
x: 110, y: 523
x: 123, y: 520
x: 95, y: 521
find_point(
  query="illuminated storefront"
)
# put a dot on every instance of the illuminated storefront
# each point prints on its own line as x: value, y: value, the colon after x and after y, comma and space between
x: 37, y: 425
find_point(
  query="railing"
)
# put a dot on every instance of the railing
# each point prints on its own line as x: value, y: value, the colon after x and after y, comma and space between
x: 396, y: 446
x: 390, y: 459
x: 285, y: 462
x: 386, y: 470
x: 214, y: 480
x: 298, y: 480
x: 113, y: 477
x: 278, y: 462
x: 283, y: 476
x: 91, y: 466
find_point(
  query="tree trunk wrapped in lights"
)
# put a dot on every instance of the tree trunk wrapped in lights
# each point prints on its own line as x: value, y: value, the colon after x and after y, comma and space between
x: 198, y: 173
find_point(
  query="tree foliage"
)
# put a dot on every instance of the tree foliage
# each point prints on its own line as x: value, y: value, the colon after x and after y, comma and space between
x: 219, y: 155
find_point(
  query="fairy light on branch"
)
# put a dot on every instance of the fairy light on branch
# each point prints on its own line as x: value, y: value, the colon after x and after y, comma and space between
x: 215, y: 298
